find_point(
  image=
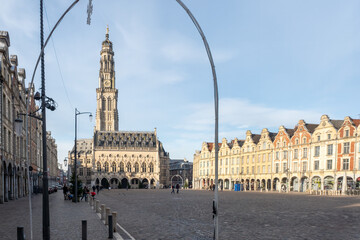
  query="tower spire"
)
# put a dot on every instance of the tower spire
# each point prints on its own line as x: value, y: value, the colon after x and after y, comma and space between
x: 107, y: 31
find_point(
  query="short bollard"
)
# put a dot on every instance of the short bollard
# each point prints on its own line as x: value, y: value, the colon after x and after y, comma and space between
x: 20, y: 233
x: 102, y: 211
x: 90, y: 201
x: 107, y: 213
x: 84, y: 230
x: 110, y: 220
x: 114, y: 220
x: 97, y: 206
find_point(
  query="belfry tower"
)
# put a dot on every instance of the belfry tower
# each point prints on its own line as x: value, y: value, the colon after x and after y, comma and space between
x: 107, y: 117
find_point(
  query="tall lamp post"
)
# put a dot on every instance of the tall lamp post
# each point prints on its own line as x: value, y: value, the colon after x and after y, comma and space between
x: 77, y: 112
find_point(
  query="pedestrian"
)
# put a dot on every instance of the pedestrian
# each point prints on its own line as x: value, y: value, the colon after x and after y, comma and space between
x: 97, y: 189
x: 177, y: 188
x: 172, y: 189
x: 65, y: 190
x: 85, y: 193
x: 93, y: 188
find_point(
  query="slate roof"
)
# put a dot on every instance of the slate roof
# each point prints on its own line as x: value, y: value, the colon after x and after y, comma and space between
x: 124, y: 139
x: 337, y: 123
x: 311, y: 127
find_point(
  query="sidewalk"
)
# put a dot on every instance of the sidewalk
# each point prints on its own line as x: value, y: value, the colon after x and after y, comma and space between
x: 65, y: 218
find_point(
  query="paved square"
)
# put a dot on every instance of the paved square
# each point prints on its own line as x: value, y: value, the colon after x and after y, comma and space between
x: 157, y: 214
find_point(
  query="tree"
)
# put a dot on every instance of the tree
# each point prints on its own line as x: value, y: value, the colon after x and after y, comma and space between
x: 72, y: 187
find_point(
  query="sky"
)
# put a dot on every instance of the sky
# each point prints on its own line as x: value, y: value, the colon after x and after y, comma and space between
x: 277, y: 62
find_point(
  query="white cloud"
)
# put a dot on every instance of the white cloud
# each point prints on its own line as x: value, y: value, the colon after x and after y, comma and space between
x: 236, y: 114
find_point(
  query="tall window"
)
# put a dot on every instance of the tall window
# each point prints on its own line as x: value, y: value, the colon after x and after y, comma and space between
x: 98, y: 166
x: 304, y: 140
x: 109, y: 104
x: 285, y: 154
x: 247, y: 170
x: 268, y: 169
x: 253, y: 158
x: 296, y: 153
x: 304, y: 166
x: 277, y: 155
x: 317, y: 151
x: 252, y: 169
x: 329, y: 149
x: 128, y: 167
x: 346, y: 148
x: 136, y: 167
x: 346, y: 164
x: 81, y: 171
x: 284, y: 166
x: 106, y: 166
x: 88, y: 171
x: 304, y: 152
x: 263, y: 169
x: 316, y: 165
x: 113, y: 167
x: 329, y: 164
x: 151, y: 167
x: 346, y: 133
x: 295, y: 167
x: 247, y: 159
x: 121, y: 167
x: 276, y: 167
x: 143, y: 167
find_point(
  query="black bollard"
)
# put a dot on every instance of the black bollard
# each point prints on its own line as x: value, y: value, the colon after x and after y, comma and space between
x: 84, y: 229
x: 20, y: 233
x: 111, y: 234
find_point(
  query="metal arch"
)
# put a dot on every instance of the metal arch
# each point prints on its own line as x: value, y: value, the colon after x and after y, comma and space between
x: 177, y: 175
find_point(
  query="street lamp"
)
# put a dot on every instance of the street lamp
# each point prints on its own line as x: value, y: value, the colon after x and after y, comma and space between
x: 77, y: 112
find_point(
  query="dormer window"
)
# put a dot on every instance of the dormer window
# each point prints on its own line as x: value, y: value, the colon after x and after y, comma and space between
x: 297, y: 141
x: 318, y: 138
x: 347, y: 133
x: 329, y: 136
x: 304, y: 140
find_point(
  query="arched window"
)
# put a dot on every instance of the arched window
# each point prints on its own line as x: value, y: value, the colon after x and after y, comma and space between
x: 128, y: 167
x: 103, y: 103
x: 106, y: 166
x: 109, y: 104
x: 143, y: 167
x: 113, y: 167
x: 136, y: 167
x: 98, y: 166
x: 121, y: 167
x: 151, y: 167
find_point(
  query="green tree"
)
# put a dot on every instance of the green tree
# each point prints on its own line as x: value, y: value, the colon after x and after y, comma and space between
x: 72, y: 187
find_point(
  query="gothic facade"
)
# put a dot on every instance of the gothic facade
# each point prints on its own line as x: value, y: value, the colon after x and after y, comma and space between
x: 113, y: 158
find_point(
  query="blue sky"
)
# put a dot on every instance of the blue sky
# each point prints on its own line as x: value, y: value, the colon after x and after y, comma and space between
x: 277, y: 62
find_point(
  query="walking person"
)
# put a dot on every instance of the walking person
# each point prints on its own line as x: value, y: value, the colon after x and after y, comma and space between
x: 85, y: 193
x: 172, y: 189
x: 65, y: 190
x: 93, y: 188
x: 177, y: 188
x: 97, y: 189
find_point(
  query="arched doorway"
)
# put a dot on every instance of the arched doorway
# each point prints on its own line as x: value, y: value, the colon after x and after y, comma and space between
x: 221, y: 184
x: 252, y: 184
x: 294, y: 184
x: 114, y: 183
x: 134, y: 183
x: 145, y: 183
x: 226, y: 186
x: 284, y: 184
x: 97, y: 182
x: 124, y: 183
x: 152, y: 183
x: 105, y: 183
x: 263, y: 184
x: 304, y: 184
x: 276, y: 184
x: 247, y: 184
x: 316, y: 183
x: 269, y: 184
x: 329, y: 183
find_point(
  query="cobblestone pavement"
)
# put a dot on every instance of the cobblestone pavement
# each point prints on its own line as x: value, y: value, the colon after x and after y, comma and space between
x: 157, y: 214
x: 65, y: 219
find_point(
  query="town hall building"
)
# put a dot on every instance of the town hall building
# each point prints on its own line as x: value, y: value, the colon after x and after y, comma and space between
x: 113, y: 158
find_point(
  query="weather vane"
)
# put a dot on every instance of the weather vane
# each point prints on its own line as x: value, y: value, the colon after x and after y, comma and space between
x: 89, y: 12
